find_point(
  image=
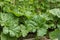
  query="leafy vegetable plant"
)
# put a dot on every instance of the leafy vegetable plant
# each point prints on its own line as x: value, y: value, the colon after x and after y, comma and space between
x: 19, y: 17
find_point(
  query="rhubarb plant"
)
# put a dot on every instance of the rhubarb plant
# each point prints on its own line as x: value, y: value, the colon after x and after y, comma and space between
x: 20, y: 17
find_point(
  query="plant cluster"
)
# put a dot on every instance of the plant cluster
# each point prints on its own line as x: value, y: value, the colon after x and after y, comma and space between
x: 19, y: 17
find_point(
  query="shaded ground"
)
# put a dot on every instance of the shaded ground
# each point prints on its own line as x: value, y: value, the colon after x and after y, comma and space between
x: 32, y: 36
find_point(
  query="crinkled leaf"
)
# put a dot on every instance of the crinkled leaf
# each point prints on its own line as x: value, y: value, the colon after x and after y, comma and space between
x: 55, y: 12
x: 24, y: 32
x: 55, y: 34
x: 5, y: 30
x: 7, y: 37
x: 7, y: 19
x: 16, y: 12
x: 12, y: 30
x: 10, y: 23
x: 41, y: 32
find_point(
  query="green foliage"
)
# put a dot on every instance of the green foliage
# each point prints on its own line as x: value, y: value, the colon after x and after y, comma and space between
x: 19, y: 17
x: 55, y: 34
x: 55, y: 12
x: 6, y: 37
x: 41, y: 32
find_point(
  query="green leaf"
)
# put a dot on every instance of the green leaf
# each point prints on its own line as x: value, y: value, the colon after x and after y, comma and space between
x: 41, y: 32
x: 28, y: 14
x: 7, y: 37
x: 12, y: 30
x: 10, y: 23
x: 1, y: 4
x: 31, y: 25
x: 58, y: 25
x: 7, y: 0
x: 24, y: 32
x: 5, y: 30
x: 7, y: 19
x: 55, y: 34
x: 6, y: 9
x: 16, y: 12
x: 53, y: 1
x: 55, y: 12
